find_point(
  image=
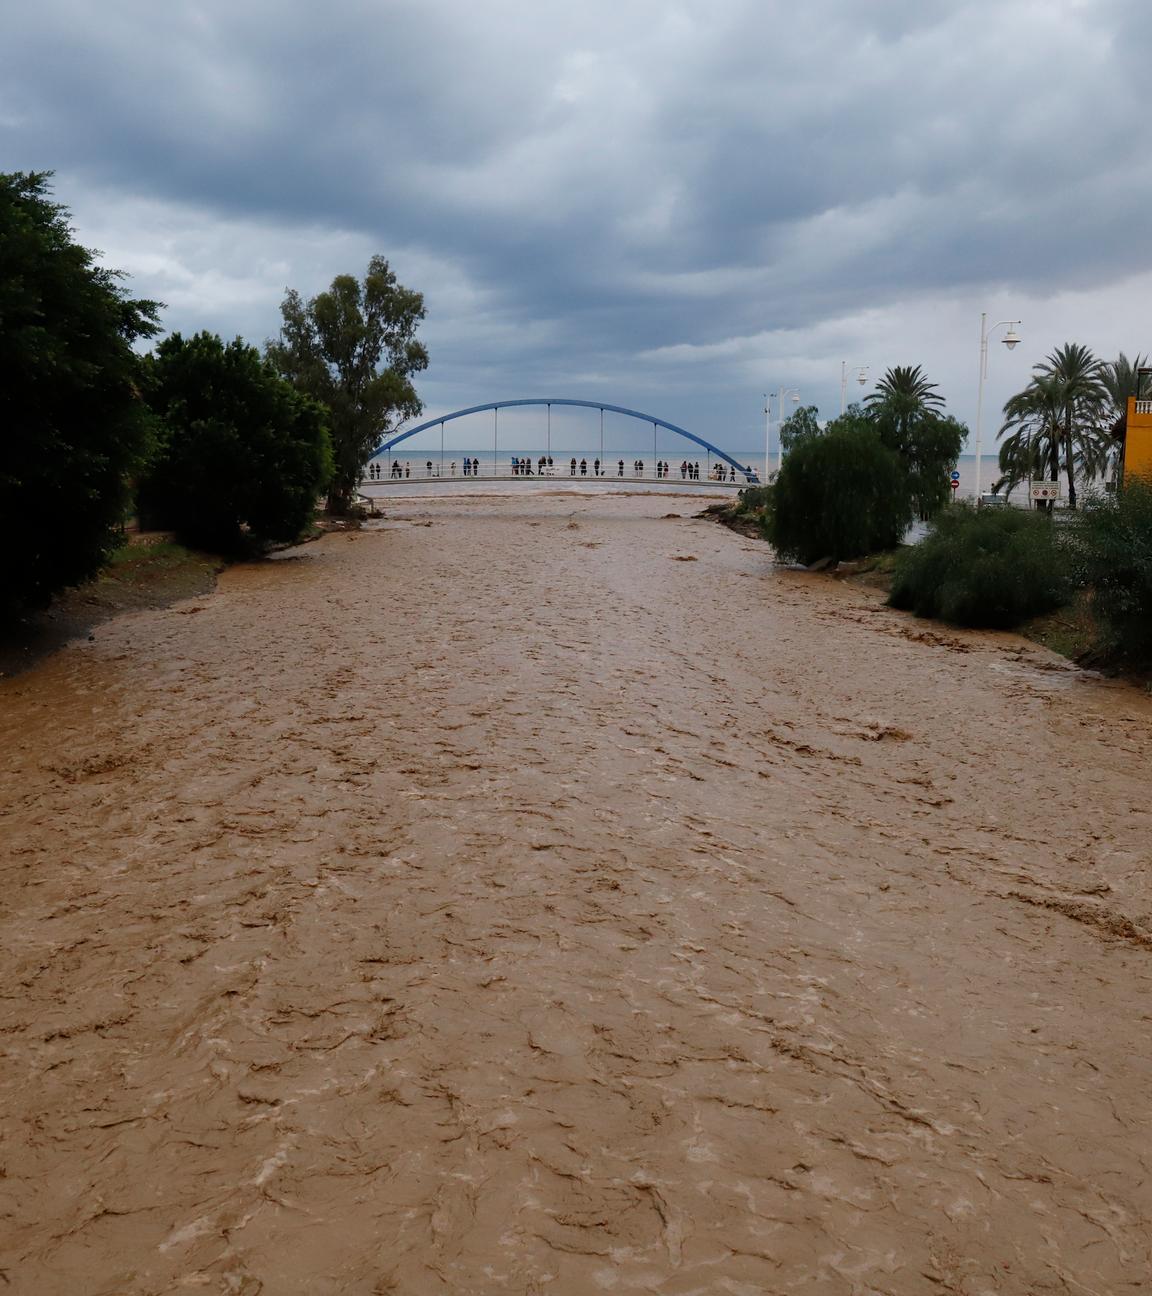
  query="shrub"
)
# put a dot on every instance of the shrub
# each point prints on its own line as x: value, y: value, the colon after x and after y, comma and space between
x: 838, y: 496
x: 243, y: 456
x: 1113, y: 548
x: 74, y: 427
x: 983, y: 567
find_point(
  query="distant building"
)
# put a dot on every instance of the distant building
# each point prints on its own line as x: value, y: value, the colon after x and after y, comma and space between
x: 1138, y: 439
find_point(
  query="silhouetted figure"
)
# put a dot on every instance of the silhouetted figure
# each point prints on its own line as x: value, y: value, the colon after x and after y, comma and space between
x: 583, y: 467
x: 573, y: 468
x: 475, y: 467
x: 407, y: 468
x: 595, y: 467
x: 620, y: 468
x: 428, y: 466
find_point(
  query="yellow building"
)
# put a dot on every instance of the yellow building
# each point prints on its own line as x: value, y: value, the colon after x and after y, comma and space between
x: 1138, y: 442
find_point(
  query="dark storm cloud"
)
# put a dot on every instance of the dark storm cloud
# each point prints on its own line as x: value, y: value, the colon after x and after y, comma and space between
x: 590, y: 189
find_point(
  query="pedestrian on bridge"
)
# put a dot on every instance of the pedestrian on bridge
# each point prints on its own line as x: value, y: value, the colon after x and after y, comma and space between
x: 573, y: 468
x: 475, y: 467
x: 428, y: 467
x: 620, y: 468
x: 596, y: 468
x: 583, y: 467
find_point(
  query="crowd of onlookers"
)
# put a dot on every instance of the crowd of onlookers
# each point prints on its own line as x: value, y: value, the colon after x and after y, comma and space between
x: 544, y: 467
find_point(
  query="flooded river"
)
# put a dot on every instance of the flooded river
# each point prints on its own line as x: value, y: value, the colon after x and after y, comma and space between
x: 543, y: 895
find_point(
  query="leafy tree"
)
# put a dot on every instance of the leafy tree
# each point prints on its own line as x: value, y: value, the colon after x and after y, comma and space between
x: 243, y: 456
x: 983, y: 567
x: 354, y: 349
x: 75, y: 428
x: 907, y: 413
x: 838, y: 496
x: 800, y: 424
x: 1113, y: 545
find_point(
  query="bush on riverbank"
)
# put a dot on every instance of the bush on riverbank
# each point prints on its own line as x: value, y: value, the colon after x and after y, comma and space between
x: 984, y: 567
x: 242, y: 456
x: 74, y: 426
x: 1113, y: 558
x: 839, y: 496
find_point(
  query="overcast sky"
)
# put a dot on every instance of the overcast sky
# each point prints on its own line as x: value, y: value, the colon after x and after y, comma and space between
x: 671, y: 206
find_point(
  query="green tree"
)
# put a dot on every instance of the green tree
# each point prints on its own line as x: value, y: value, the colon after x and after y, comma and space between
x: 1121, y: 379
x: 354, y: 349
x: 243, y: 456
x: 983, y: 567
x: 838, y: 496
x: 1033, y: 423
x: 907, y: 412
x: 1066, y: 401
x: 75, y: 428
x: 904, y: 391
x: 1113, y: 547
x: 799, y: 425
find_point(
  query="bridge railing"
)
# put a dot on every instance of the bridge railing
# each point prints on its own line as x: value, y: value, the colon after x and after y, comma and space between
x: 398, y: 471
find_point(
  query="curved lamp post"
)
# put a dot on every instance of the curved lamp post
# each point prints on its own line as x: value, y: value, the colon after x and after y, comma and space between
x: 1009, y: 339
x: 861, y: 378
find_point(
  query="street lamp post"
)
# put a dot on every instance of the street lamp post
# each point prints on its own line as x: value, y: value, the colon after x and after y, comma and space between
x: 793, y: 394
x: 861, y: 378
x: 1009, y: 339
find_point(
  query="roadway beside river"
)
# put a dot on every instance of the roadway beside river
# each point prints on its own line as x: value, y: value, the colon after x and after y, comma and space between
x: 544, y: 894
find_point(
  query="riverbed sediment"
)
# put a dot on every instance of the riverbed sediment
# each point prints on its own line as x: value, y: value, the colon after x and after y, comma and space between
x: 547, y: 895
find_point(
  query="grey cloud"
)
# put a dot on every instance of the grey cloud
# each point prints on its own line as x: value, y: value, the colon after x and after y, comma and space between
x: 610, y: 180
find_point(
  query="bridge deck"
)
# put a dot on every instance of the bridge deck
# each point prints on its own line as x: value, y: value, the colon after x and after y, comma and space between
x: 549, y: 479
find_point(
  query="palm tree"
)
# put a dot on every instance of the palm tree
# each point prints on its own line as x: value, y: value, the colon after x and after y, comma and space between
x: 1056, y: 420
x: 1121, y: 378
x: 1031, y: 452
x: 907, y: 412
x: 905, y: 389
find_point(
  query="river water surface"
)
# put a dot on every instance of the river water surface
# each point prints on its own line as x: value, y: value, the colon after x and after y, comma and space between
x: 545, y: 895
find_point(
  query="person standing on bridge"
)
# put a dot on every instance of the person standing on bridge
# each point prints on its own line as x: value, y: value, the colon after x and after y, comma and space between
x: 583, y: 467
x: 428, y: 467
x: 573, y: 468
x: 407, y: 468
x: 620, y: 468
x: 595, y: 467
x: 475, y: 467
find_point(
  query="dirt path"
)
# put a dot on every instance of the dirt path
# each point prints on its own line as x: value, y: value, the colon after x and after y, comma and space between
x: 500, y: 902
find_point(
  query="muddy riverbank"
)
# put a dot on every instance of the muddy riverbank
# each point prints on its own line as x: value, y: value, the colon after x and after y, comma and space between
x: 546, y: 895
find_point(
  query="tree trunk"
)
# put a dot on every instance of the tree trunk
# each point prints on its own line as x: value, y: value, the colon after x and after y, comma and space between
x: 1069, y: 462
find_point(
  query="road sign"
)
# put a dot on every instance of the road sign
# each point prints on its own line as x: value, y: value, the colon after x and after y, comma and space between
x: 1045, y: 490
x: 955, y: 475
x: 954, y: 483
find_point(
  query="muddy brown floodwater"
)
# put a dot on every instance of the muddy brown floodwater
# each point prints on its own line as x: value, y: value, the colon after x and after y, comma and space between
x: 498, y: 901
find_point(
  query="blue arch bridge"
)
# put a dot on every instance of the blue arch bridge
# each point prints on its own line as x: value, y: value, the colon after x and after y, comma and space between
x: 720, y: 468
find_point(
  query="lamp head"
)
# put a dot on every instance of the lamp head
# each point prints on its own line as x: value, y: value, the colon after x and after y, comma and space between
x: 1011, y: 337
x: 862, y: 376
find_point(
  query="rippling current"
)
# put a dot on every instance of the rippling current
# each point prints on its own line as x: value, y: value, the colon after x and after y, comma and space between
x: 546, y: 895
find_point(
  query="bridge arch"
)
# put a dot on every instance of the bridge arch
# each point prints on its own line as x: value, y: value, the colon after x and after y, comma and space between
x: 390, y: 443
